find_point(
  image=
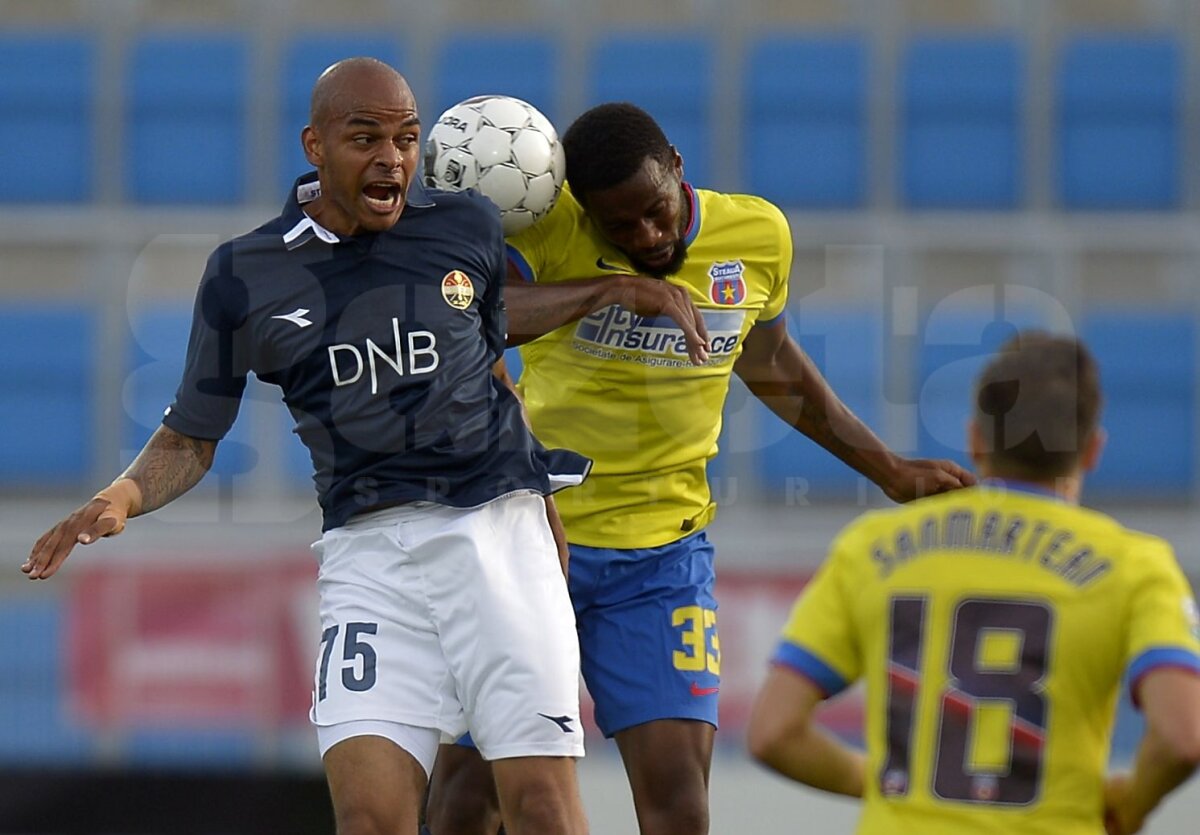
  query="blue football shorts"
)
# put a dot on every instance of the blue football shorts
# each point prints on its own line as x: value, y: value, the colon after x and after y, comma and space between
x: 647, y: 624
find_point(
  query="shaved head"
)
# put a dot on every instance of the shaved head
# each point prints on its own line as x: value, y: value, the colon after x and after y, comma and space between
x: 346, y: 85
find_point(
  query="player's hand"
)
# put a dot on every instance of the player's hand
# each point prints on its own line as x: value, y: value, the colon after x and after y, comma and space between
x: 918, y: 477
x: 103, y: 516
x: 654, y: 297
x: 1120, y: 818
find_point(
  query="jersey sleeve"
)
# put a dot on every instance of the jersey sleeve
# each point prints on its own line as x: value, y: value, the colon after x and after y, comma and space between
x: 493, y: 315
x: 1164, y: 629
x: 819, y: 640
x: 777, y: 300
x: 217, y: 365
x: 534, y: 251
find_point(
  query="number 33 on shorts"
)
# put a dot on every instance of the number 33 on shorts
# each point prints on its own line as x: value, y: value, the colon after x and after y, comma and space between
x: 701, y: 646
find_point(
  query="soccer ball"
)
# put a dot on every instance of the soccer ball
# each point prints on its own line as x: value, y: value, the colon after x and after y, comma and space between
x: 504, y: 148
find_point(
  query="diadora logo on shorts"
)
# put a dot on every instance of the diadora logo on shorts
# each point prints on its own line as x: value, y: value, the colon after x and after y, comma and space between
x: 563, y: 722
x: 411, y: 353
x: 457, y: 290
x: 615, y: 333
x: 728, y: 282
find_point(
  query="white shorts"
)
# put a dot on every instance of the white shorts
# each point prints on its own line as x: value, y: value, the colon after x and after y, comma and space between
x: 452, y: 620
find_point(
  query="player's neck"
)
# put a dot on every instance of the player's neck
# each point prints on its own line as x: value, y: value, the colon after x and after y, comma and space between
x: 1067, y: 487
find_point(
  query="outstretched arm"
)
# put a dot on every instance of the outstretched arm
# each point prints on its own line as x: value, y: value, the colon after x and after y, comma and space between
x: 167, y: 467
x: 783, y: 736
x: 536, y: 309
x: 782, y: 376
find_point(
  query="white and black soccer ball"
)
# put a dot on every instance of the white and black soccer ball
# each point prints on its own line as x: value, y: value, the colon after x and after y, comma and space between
x: 504, y: 148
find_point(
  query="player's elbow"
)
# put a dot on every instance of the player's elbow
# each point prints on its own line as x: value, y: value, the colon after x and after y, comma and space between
x: 768, y: 740
x: 1183, y: 743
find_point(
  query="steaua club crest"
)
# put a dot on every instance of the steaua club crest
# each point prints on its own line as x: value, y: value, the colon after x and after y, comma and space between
x: 728, y: 283
x: 457, y: 290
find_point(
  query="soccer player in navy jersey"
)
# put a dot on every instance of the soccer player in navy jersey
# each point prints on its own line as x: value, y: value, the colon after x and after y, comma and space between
x: 376, y: 307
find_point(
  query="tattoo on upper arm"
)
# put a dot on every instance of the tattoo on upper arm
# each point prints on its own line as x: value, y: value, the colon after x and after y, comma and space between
x: 169, y: 465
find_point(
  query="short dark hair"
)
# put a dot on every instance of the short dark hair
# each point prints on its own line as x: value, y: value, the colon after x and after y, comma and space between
x: 608, y: 144
x: 1036, y: 403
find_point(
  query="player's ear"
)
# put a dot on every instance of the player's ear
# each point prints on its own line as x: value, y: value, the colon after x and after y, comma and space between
x: 677, y: 162
x: 1093, y: 448
x: 311, y: 143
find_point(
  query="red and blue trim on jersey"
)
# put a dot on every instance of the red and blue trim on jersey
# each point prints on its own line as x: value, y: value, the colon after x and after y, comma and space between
x: 1156, y: 658
x: 811, y: 667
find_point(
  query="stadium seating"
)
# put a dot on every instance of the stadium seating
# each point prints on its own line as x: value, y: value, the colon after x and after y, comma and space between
x: 1147, y: 364
x: 304, y: 57
x: 521, y: 64
x: 804, y: 144
x: 158, y: 347
x: 960, y: 141
x: 46, y: 362
x: 671, y: 76
x: 846, y: 343
x: 956, y: 340
x: 1120, y: 131
x: 33, y: 687
x: 186, y: 119
x: 47, y: 131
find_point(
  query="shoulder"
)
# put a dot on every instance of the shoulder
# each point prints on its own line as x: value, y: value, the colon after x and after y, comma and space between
x: 744, y: 209
x: 465, y: 206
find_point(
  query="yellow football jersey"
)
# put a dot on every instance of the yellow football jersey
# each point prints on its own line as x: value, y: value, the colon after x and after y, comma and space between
x: 992, y: 627
x: 620, y: 389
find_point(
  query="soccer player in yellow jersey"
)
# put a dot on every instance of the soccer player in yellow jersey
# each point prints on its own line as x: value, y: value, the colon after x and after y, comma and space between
x: 993, y: 627
x: 641, y: 296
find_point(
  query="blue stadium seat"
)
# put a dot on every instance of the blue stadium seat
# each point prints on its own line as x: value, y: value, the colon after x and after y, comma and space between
x: 1120, y: 115
x: 46, y: 363
x: 1148, y: 369
x: 186, y: 119
x: 36, y: 727
x: 956, y: 341
x: 846, y: 343
x: 961, y: 126
x: 304, y: 57
x: 158, y: 349
x: 521, y: 64
x: 804, y: 142
x: 46, y: 131
x: 672, y: 78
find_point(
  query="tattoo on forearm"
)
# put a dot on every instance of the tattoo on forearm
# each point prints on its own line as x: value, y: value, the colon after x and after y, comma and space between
x: 168, y: 466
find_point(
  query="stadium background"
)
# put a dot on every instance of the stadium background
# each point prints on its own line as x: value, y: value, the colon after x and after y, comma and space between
x: 952, y: 169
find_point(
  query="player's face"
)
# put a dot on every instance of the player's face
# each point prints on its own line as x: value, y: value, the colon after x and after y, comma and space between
x: 367, y: 154
x: 646, y: 216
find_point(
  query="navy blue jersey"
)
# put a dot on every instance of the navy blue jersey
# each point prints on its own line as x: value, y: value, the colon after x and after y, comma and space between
x: 383, y: 345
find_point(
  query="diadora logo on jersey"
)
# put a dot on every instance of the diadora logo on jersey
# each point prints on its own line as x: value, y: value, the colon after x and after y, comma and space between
x: 728, y: 283
x: 1191, y: 614
x: 615, y: 333
x: 296, y: 317
x: 457, y: 290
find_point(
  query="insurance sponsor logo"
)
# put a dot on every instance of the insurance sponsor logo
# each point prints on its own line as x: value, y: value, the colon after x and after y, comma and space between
x: 615, y: 333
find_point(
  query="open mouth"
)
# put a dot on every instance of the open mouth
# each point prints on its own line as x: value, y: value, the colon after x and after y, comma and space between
x: 383, y: 197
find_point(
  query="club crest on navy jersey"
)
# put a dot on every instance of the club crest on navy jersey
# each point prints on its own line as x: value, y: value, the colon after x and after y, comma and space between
x: 728, y: 283
x: 457, y: 290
